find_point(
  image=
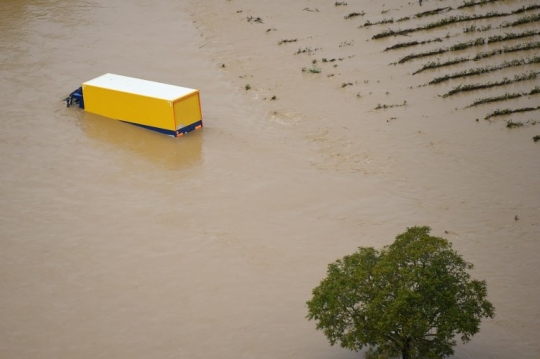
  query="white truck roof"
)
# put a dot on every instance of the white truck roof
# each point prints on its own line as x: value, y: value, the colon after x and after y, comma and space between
x: 140, y: 87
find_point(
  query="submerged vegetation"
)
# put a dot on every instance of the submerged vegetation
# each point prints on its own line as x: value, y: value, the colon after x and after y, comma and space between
x: 485, y: 69
x: 474, y: 28
x: 438, y: 64
x: 470, y: 3
x: 505, y: 81
x: 508, y: 111
x: 479, y: 48
x: 383, y: 21
x: 287, y: 41
x: 433, y: 12
x: 400, y: 45
x: 512, y: 124
x: 383, y: 106
x: 473, y: 43
x: 506, y: 96
x: 512, y: 36
x: 523, y: 20
x: 460, y: 46
x: 508, y: 49
x: 463, y: 18
x: 474, y: 23
x: 354, y: 14
x: 314, y: 69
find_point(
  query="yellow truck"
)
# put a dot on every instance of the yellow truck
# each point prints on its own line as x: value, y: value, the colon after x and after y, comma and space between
x: 169, y: 109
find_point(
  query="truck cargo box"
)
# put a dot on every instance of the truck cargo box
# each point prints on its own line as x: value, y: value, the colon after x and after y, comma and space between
x: 168, y: 109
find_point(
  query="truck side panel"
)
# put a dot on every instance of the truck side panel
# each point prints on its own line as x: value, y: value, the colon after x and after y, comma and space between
x: 124, y: 106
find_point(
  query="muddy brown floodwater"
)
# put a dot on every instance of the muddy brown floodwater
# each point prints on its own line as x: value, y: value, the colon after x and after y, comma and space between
x: 117, y: 242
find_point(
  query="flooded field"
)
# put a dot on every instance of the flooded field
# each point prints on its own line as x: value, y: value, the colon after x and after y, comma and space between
x: 119, y: 242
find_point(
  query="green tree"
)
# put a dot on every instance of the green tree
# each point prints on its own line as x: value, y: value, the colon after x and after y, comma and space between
x: 412, y: 298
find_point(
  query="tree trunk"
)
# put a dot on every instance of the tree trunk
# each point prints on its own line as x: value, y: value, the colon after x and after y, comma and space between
x: 405, y: 350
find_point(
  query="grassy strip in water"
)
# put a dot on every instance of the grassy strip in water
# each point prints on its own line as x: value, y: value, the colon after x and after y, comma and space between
x: 512, y: 36
x: 433, y: 12
x: 379, y: 106
x: 462, y: 18
x: 354, y: 14
x: 512, y: 124
x: 474, y: 28
x: 306, y: 50
x: 523, y: 20
x: 400, y: 45
x: 383, y: 21
x: 508, y: 111
x: 505, y: 81
x: 506, y: 96
x: 286, y: 41
x: 526, y: 8
x: 485, y: 69
x: 508, y: 49
x: 460, y: 46
x: 437, y: 64
x: 439, y: 23
x: 404, y: 18
x: 471, y: 3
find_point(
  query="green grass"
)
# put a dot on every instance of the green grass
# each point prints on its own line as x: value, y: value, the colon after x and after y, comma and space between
x: 306, y: 50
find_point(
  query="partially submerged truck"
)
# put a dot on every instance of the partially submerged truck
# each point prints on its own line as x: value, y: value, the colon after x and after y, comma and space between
x: 169, y: 109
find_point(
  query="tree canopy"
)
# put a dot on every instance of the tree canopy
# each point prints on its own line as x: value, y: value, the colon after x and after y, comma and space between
x: 412, y: 298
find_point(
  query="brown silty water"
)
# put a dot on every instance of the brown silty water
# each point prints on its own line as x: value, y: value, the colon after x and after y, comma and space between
x: 119, y: 242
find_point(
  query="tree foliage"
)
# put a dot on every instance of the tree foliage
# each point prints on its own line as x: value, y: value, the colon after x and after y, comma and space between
x: 412, y: 298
